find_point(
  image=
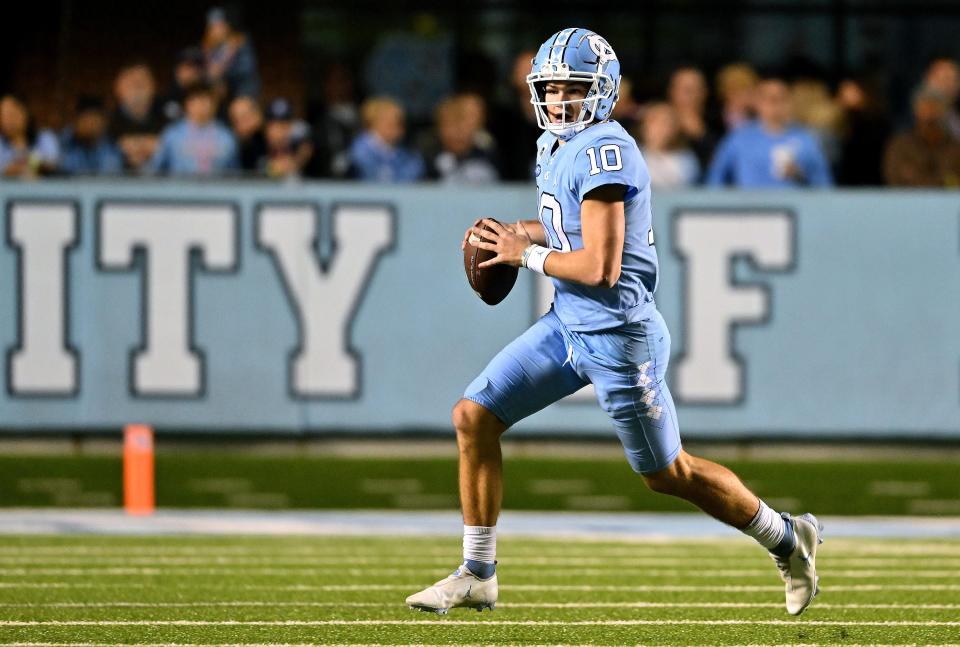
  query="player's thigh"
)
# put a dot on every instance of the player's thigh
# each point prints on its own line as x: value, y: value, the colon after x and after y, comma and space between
x: 530, y: 373
x: 632, y: 388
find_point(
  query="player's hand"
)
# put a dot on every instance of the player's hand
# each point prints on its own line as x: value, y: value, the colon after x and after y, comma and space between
x: 470, y: 232
x: 793, y: 171
x: 507, y: 241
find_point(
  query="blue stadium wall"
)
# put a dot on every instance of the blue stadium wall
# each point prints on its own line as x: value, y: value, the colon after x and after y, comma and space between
x: 321, y: 307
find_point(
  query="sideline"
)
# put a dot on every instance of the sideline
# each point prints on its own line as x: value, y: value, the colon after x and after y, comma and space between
x: 614, y: 526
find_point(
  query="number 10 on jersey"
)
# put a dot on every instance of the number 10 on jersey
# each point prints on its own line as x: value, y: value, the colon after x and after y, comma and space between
x: 610, y: 159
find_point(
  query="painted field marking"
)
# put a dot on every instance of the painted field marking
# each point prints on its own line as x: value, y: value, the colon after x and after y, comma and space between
x: 616, y: 564
x: 412, y: 555
x: 849, y: 588
x: 540, y: 574
x: 572, y: 547
x: 510, y: 605
x: 447, y: 622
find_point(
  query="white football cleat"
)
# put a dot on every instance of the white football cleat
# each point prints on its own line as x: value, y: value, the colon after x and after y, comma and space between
x: 799, y: 571
x: 460, y: 589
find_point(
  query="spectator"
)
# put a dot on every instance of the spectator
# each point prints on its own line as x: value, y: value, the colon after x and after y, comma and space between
x: 515, y: 125
x: 736, y: 84
x: 246, y: 117
x: 474, y: 109
x: 461, y: 159
x: 197, y: 144
x: 928, y: 155
x: 863, y: 135
x: 289, y: 148
x: 137, y: 120
x: 188, y: 71
x: 814, y: 107
x: 231, y: 61
x: 24, y: 151
x: 687, y: 94
x: 943, y: 75
x: 86, y: 149
x: 626, y: 111
x: 670, y: 162
x: 771, y: 151
x: 377, y: 153
x: 337, y: 122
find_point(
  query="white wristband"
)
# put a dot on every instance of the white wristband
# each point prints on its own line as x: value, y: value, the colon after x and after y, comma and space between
x: 534, y: 257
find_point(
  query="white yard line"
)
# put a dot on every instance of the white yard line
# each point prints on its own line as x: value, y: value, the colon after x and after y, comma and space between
x: 508, y: 587
x: 648, y: 588
x: 510, y: 605
x: 544, y: 549
x: 439, y: 622
x: 353, y: 562
x: 697, y: 573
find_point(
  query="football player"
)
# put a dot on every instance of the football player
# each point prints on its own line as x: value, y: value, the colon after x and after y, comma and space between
x: 594, y: 239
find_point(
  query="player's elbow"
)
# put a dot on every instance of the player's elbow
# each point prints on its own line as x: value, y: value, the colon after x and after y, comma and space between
x: 604, y: 278
x: 610, y: 279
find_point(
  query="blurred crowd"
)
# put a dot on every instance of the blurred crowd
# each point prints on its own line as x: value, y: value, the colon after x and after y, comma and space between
x: 744, y: 128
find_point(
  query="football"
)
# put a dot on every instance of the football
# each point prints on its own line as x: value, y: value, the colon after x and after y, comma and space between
x: 492, y: 284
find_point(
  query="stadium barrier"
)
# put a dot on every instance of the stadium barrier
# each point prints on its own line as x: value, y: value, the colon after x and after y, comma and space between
x: 319, y: 307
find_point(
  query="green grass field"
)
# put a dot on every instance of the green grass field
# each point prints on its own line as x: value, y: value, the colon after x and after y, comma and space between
x: 894, y: 485
x: 350, y: 590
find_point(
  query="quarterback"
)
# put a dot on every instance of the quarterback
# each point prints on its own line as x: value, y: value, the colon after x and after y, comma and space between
x: 594, y: 239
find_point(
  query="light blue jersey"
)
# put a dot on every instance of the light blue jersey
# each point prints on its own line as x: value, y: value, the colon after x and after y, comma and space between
x: 613, y: 338
x: 601, y: 154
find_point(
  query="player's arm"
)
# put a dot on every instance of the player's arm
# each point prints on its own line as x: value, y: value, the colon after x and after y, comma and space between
x: 596, y: 264
x: 534, y: 231
x: 602, y: 222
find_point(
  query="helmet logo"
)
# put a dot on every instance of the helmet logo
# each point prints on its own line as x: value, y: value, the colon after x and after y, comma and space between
x: 601, y: 48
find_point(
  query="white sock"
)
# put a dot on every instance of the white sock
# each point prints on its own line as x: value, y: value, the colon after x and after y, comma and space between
x: 767, y: 527
x: 480, y: 543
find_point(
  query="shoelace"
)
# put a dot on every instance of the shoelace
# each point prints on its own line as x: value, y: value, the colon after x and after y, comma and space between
x: 783, y: 565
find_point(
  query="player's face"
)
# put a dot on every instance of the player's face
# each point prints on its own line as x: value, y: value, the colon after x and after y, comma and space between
x: 564, y: 91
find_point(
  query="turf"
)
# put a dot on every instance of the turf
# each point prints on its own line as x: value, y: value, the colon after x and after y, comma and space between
x: 350, y: 590
x: 893, y: 486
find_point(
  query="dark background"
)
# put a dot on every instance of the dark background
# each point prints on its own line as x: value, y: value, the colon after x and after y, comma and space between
x: 52, y: 51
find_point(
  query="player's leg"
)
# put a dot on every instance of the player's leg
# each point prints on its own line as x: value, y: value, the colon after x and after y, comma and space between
x: 527, y: 375
x: 710, y: 486
x: 629, y: 372
x: 791, y: 540
x: 481, y: 483
x: 481, y: 464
